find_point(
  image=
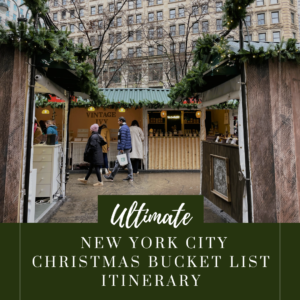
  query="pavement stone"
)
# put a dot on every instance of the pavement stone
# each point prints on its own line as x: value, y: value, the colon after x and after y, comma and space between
x: 82, y: 203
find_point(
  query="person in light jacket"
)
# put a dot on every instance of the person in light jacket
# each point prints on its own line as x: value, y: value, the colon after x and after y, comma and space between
x: 137, y: 139
x: 104, y: 132
x: 93, y: 154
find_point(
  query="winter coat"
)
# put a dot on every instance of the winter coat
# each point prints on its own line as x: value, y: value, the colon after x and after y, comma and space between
x: 38, y: 133
x: 125, y: 138
x: 137, y: 138
x: 52, y: 130
x: 93, y: 150
x: 103, y: 130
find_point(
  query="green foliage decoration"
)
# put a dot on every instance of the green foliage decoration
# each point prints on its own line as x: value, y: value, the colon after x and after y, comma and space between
x: 234, y: 11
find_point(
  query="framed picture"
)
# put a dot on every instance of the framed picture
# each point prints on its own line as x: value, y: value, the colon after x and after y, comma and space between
x: 219, y: 181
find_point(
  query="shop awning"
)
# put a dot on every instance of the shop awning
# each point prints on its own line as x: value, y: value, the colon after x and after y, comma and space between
x: 136, y: 94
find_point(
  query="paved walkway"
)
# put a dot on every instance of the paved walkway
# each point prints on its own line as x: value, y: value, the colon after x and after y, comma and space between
x: 82, y: 204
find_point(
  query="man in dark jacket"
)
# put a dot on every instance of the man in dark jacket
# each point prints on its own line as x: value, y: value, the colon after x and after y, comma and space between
x: 124, y: 146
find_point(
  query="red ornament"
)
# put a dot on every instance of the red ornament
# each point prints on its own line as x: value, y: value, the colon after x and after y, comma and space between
x: 191, y: 100
x: 184, y: 102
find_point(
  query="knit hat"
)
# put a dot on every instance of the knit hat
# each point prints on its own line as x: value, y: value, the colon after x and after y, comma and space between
x: 94, y: 127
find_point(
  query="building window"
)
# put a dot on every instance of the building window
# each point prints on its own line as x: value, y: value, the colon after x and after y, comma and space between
x: 111, y: 55
x: 219, y: 24
x: 112, y: 23
x: 138, y: 52
x: 195, y: 10
x: 119, y: 54
x: 261, y: 19
x: 93, y: 41
x: 130, y: 20
x: 100, y: 24
x: 172, y: 30
x: 159, y: 2
x: 182, y: 47
x: 81, y: 28
x: 100, y: 37
x: 64, y: 2
x: 219, y: 6
x: 63, y: 14
x: 293, y: 18
x: 181, y: 12
x: 80, y: 40
x: 150, y: 50
x: 195, y: 28
x: 150, y: 2
x: 55, y: 2
x: 134, y: 73
x: 292, y: 1
x: 119, y: 5
x: 111, y: 7
x: 173, y: 48
x: 55, y: 17
x: 130, y: 36
x: 63, y: 28
x: 248, y: 21
x: 138, y: 3
x: 72, y: 27
x: 159, y: 16
x: 205, y: 26
x: 276, y: 36
x: 262, y: 37
x: 248, y: 38
x: 130, y: 52
x: 81, y: 12
x: 275, y: 17
x: 130, y: 4
x: 111, y: 38
x: 204, y: 9
x: 119, y: 37
x: 273, y: 1
x: 194, y: 44
x: 138, y: 35
x: 119, y: 22
x: 259, y: 2
x: 294, y: 35
x: 172, y: 13
x: 159, y: 32
x: 100, y: 9
x: 21, y: 13
x: 181, y: 29
x: 72, y: 14
x: 151, y: 33
x: 139, y: 18
x: 155, y: 72
x: 14, y: 17
x: 151, y: 17
x: 230, y: 39
x: 160, y: 50
x: 93, y: 10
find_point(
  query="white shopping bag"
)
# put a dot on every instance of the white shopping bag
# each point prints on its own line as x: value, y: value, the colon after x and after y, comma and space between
x: 122, y: 159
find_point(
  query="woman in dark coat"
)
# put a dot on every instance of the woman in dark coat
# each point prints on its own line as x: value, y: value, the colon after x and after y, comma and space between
x: 93, y: 154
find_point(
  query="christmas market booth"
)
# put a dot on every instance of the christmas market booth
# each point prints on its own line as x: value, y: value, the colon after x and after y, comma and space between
x: 246, y: 153
x: 172, y: 134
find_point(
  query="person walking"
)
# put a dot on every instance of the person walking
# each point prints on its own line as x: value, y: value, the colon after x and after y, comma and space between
x: 137, y: 138
x: 93, y: 154
x: 52, y: 129
x: 124, y: 146
x: 104, y: 132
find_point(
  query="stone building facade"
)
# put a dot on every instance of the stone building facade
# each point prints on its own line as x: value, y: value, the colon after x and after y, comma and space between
x: 160, y: 34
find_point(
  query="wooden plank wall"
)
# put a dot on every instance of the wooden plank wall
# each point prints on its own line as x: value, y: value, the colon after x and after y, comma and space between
x: 235, y: 207
x: 13, y: 79
x: 174, y: 153
x: 273, y: 105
